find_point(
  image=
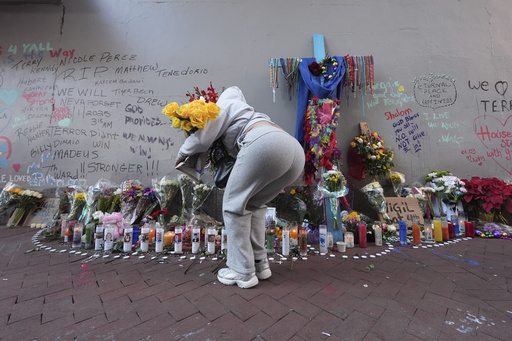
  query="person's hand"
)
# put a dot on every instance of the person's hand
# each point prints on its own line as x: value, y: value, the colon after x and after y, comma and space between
x: 178, y: 161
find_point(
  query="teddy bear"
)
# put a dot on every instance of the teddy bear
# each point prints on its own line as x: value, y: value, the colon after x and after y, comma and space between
x: 115, y: 218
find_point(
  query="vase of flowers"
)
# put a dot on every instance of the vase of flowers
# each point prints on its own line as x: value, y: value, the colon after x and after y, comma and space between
x: 376, y: 159
x: 333, y: 187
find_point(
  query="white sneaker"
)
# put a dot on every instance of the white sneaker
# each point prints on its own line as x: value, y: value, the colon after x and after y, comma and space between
x: 230, y: 277
x: 263, y: 269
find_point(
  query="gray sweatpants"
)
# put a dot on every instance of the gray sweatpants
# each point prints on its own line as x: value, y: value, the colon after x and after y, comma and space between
x: 269, y: 160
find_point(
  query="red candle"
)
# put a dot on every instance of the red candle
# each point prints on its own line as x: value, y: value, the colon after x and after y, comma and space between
x: 470, y: 229
x: 451, y: 234
x: 362, y: 235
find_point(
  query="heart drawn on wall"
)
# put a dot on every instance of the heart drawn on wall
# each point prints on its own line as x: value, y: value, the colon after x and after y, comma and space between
x: 8, y: 96
x: 496, y: 136
x: 16, y: 167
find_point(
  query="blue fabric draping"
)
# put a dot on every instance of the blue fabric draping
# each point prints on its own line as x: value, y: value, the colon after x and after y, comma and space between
x: 309, y: 86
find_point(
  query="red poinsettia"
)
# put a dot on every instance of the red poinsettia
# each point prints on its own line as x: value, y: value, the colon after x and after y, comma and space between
x: 489, y: 194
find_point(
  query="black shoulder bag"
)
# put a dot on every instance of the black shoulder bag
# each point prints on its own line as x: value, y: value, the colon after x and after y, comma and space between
x: 221, y: 162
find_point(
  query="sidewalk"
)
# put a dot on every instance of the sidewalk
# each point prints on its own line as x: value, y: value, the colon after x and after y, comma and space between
x: 458, y: 291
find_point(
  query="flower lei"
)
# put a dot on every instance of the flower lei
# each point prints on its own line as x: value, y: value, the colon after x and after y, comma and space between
x: 319, y: 138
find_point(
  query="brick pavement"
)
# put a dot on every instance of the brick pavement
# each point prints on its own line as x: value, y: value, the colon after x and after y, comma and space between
x: 458, y: 291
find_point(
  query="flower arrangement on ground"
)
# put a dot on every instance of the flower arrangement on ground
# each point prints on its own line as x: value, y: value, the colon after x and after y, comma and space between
x: 28, y: 199
x: 377, y: 160
x: 320, y: 124
x: 146, y: 203
x: 77, y: 200
x: 488, y: 198
x: 130, y: 190
x: 185, y: 187
x: 333, y: 187
x: 351, y: 222
x: 6, y: 196
x: 397, y: 180
x: 374, y: 193
x: 447, y: 187
x: 199, y: 194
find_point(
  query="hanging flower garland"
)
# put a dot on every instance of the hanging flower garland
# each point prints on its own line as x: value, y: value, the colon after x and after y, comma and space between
x: 320, y: 143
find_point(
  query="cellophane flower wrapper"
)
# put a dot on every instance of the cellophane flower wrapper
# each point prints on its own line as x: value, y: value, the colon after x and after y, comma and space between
x: 333, y: 187
x: 76, y: 197
x: 6, y: 197
x: 146, y: 203
x: 129, y: 197
x: 374, y: 193
x: 107, y: 195
x: 64, y: 204
x: 397, y: 180
x: 92, y: 196
x: 165, y: 191
x: 186, y: 186
x: 200, y: 194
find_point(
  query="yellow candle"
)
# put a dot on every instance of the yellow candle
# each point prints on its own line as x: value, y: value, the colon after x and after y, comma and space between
x: 438, y: 231
x: 169, y: 238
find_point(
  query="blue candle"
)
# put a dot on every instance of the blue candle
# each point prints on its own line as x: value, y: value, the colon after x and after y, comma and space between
x: 402, y: 230
x: 455, y: 222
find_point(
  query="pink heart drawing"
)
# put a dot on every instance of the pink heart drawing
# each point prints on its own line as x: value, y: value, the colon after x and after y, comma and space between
x: 497, y: 138
x: 16, y: 167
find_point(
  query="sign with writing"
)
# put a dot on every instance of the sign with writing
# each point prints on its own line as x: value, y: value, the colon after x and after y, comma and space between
x: 43, y: 214
x: 405, y: 209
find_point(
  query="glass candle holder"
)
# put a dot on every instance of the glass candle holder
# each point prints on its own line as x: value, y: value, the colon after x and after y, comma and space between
x: 438, y: 230
x: 428, y: 231
x: 402, y: 232
x: 77, y: 235
x: 322, y: 232
x: 377, y: 231
x: 362, y: 234
x: 303, y: 242
x: 349, y: 239
x: 144, y: 238
x: 285, y: 246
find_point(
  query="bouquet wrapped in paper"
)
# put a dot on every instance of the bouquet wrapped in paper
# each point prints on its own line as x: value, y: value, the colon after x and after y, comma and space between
x: 165, y: 191
x: 186, y: 185
x: 397, y: 180
x: 6, y: 196
x: 146, y: 203
x: 374, y: 193
x: 333, y: 185
x: 24, y: 202
x: 129, y: 197
x: 76, y: 197
x: 200, y: 193
x: 115, y: 205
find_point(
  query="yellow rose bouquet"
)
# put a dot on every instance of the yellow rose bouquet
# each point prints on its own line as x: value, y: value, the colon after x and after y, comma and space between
x: 194, y: 115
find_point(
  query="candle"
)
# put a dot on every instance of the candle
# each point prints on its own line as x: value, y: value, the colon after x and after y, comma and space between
x: 456, y: 227
x: 444, y: 227
x: 33, y: 225
x: 127, y: 238
x: 416, y: 234
x: 98, y: 238
x: 178, y: 238
x: 286, y: 241
x: 168, y: 238
x: 303, y: 242
x: 438, y: 231
x: 377, y: 231
x: 402, y: 231
x: 210, y: 239
x: 271, y: 229
x: 462, y: 226
x: 224, y: 239
x: 159, y: 238
x: 322, y: 232
x: 294, y: 232
x: 77, y: 235
x: 451, y: 231
x: 349, y: 239
x: 196, y: 233
x: 144, y: 238
x: 362, y: 235
x: 109, y: 236
x: 63, y: 226
x: 428, y: 233
x: 470, y: 229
